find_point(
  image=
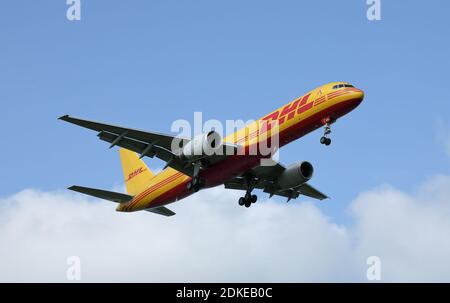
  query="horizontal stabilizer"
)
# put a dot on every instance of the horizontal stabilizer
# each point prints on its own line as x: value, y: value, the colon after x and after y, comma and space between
x: 102, y: 194
x: 162, y: 211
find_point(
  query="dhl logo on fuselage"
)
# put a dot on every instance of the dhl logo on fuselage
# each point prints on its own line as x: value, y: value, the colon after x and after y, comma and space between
x: 277, y: 117
x: 299, y: 106
x: 291, y: 110
x: 287, y: 113
x: 135, y: 173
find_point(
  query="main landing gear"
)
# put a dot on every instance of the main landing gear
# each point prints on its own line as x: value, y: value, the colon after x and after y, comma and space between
x: 196, y: 183
x: 248, y: 198
x: 327, y: 131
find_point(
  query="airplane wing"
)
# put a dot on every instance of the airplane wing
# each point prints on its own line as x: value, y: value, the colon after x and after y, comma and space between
x: 264, y: 178
x: 162, y: 140
x: 144, y: 143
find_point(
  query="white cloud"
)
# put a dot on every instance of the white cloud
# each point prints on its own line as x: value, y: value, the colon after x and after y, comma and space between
x: 213, y: 239
x: 409, y: 232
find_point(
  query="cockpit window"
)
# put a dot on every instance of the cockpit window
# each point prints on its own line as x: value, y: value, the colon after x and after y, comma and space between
x: 342, y: 85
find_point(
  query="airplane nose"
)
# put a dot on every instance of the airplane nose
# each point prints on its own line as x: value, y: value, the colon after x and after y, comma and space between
x: 358, y: 94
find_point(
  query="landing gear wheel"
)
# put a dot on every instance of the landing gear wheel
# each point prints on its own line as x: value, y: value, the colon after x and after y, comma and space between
x: 253, y: 198
x: 327, y: 131
x: 248, y: 203
x: 241, y: 201
x: 325, y: 140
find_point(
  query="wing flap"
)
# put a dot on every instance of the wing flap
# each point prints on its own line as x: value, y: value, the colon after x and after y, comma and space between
x: 235, y: 184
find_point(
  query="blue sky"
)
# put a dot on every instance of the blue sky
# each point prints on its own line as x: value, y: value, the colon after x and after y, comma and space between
x: 144, y: 64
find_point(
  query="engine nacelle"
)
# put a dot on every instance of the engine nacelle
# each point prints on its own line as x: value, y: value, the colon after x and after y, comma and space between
x: 202, y: 145
x: 295, y: 175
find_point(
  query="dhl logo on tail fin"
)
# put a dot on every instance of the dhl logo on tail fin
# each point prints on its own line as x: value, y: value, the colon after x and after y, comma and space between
x: 136, y: 173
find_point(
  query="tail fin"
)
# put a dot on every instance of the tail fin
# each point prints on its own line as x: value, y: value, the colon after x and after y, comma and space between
x: 136, y: 173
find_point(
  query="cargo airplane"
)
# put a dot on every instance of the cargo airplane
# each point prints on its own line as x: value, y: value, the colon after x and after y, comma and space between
x: 191, y: 168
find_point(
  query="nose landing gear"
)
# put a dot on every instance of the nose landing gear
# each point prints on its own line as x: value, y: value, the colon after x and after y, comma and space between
x: 325, y: 140
x: 327, y: 131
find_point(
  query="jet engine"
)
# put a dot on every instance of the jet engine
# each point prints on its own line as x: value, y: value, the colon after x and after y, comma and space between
x: 295, y: 175
x: 202, y: 145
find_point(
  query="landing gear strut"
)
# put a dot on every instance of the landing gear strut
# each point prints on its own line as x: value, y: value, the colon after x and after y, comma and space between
x: 196, y: 183
x: 327, y: 131
x: 248, y: 198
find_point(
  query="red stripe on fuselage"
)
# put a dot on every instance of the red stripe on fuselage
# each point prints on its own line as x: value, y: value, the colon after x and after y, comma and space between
x: 151, y: 189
